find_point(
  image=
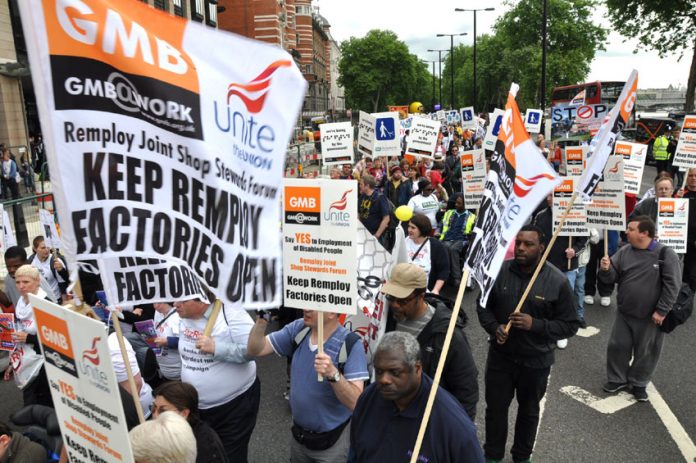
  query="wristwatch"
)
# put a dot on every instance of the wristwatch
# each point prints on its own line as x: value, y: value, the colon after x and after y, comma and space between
x: 335, y: 378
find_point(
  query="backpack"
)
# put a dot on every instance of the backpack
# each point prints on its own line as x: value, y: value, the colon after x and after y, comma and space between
x: 348, y: 343
x: 683, y: 306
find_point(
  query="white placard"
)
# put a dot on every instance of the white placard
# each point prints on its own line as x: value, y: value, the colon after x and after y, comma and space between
x: 495, y: 120
x: 608, y: 207
x: 8, y: 238
x: 685, y: 155
x: 574, y: 159
x: 576, y: 222
x: 336, y: 143
x: 453, y: 117
x: 387, y: 134
x: 473, y: 177
x: 50, y: 232
x: 366, y: 134
x: 83, y: 384
x: 441, y: 115
x: 673, y: 222
x: 634, y: 155
x: 422, y: 138
x: 320, y: 220
x: 468, y: 118
x: 532, y: 120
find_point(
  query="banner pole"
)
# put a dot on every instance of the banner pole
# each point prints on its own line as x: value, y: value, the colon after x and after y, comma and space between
x: 213, y: 318
x: 570, y: 245
x: 606, y: 243
x: 543, y: 260
x: 440, y: 367
x: 320, y: 339
x: 131, y: 380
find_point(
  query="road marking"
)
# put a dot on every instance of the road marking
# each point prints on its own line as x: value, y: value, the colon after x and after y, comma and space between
x: 608, y: 405
x: 587, y: 332
x: 675, y: 429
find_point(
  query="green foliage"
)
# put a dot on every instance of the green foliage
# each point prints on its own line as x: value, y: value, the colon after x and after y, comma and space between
x: 378, y: 70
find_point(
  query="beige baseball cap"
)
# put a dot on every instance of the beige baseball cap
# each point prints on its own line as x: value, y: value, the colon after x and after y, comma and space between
x: 404, y: 279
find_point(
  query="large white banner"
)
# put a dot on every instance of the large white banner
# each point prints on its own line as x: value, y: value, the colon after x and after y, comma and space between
x: 473, y: 177
x: 83, y: 384
x: 492, y: 131
x: 685, y: 155
x: 386, y: 133
x: 673, y: 222
x: 336, y: 143
x: 518, y: 180
x: 320, y: 220
x: 160, y: 148
x: 608, y: 207
x: 366, y: 134
x: 576, y: 220
x: 422, y: 138
x: 634, y: 155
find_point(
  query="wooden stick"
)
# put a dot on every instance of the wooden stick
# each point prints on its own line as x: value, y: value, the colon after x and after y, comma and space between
x: 320, y: 339
x: 213, y: 318
x: 440, y: 367
x: 606, y: 243
x: 543, y: 260
x: 131, y: 380
x: 570, y: 245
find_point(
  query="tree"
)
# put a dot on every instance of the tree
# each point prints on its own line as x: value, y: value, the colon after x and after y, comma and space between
x: 667, y: 26
x: 378, y: 69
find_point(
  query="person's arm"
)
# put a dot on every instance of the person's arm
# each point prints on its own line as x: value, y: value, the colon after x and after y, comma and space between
x: 461, y: 374
x: 259, y: 345
x: 350, y: 385
x: 440, y: 265
x: 138, y: 384
x: 4, y: 300
x: 486, y: 317
x: 563, y: 324
x: 608, y: 269
x: 382, y: 226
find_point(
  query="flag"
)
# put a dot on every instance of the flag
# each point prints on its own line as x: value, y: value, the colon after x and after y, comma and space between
x: 602, y: 144
x: 518, y: 180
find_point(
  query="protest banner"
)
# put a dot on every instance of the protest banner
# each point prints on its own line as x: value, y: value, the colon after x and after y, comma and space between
x: 602, y: 144
x: 336, y: 143
x: 7, y: 327
x: 532, y: 120
x: 401, y: 110
x: 576, y: 122
x: 83, y: 384
x: 319, y: 247
x: 576, y: 220
x: 366, y: 134
x: 422, y: 137
x: 673, y: 223
x: 160, y: 149
x: 441, y: 116
x: 634, y: 155
x: 685, y: 156
x: 608, y: 207
x: 8, y: 238
x: 574, y: 159
x: 473, y: 177
x: 50, y: 232
x: 494, y: 122
x: 468, y: 118
x: 453, y: 117
x: 386, y: 141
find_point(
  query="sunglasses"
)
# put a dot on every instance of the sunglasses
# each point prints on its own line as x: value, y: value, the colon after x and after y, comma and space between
x: 399, y: 301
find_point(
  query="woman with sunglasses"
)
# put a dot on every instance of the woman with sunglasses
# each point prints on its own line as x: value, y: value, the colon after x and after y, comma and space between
x: 427, y: 252
x: 425, y: 202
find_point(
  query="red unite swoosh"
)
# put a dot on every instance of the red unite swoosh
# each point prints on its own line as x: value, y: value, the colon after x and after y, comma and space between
x: 92, y: 354
x: 341, y: 203
x: 523, y: 186
x: 261, y: 83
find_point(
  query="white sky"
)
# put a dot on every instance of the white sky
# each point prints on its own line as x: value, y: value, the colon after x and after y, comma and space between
x: 416, y: 22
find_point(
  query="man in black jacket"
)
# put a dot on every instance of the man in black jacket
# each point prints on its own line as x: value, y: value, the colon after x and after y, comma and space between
x: 427, y: 320
x: 519, y: 361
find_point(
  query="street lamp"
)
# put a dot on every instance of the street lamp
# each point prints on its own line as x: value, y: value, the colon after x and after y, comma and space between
x: 544, y: 40
x: 439, y: 71
x: 432, y: 100
x: 475, y: 10
x: 451, y: 36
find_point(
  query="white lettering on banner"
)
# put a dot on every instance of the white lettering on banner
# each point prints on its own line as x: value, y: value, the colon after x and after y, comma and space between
x: 673, y: 223
x: 608, y: 207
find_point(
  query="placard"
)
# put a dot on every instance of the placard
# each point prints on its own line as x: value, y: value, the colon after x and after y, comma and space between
x: 422, y: 138
x: 608, y: 207
x: 83, y: 384
x: 336, y: 143
x: 320, y: 220
x: 441, y: 116
x: 576, y: 222
x: 673, y: 223
x: 532, y: 120
x: 7, y: 327
x: 366, y: 134
x: 468, y: 118
x: 634, y: 155
x: 685, y: 156
x: 50, y: 232
x: 473, y: 177
x: 495, y: 119
x: 387, y: 134
x: 8, y: 238
x: 453, y: 117
x: 574, y: 158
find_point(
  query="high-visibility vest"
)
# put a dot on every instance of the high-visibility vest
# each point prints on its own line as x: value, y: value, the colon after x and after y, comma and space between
x: 660, y: 148
x: 447, y: 218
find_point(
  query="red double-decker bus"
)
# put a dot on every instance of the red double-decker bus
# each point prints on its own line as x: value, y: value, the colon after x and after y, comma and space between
x: 588, y: 93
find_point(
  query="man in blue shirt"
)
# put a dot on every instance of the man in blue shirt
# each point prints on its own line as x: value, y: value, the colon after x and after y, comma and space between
x: 373, y: 208
x: 388, y: 415
x: 321, y: 411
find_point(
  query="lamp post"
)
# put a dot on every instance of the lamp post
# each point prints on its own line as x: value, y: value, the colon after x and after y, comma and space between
x: 475, y: 10
x: 439, y: 71
x: 451, y: 36
x: 542, y: 96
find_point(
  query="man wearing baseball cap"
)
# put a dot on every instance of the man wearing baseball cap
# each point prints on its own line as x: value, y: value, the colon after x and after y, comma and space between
x: 427, y: 319
x: 398, y: 189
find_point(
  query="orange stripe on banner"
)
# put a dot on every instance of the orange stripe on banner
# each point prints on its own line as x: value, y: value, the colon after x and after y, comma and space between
x: 512, y: 131
x: 126, y: 34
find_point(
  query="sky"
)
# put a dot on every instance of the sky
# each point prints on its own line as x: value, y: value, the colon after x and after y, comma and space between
x: 417, y: 22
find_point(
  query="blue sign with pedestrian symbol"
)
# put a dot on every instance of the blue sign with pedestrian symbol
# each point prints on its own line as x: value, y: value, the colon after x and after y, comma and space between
x: 467, y: 115
x: 533, y: 117
x: 384, y: 128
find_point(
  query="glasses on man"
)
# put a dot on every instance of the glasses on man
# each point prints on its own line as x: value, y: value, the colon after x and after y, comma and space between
x: 399, y: 301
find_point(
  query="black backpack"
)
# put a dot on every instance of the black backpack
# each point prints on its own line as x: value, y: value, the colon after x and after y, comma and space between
x: 683, y: 306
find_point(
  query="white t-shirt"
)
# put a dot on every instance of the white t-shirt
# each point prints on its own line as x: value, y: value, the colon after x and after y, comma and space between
x: 45, y: 270
x: 169, y: 361
x: 427, y: 205
x: 423, y: 258
x: 146, y: 398
x: 217, y: 382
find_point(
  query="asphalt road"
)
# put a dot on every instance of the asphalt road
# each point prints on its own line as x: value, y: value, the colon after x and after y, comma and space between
x: 580, y: 423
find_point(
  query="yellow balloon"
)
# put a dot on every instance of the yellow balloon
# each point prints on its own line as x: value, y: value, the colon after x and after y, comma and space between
x: 403, y: 213
x: 416, y: 108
